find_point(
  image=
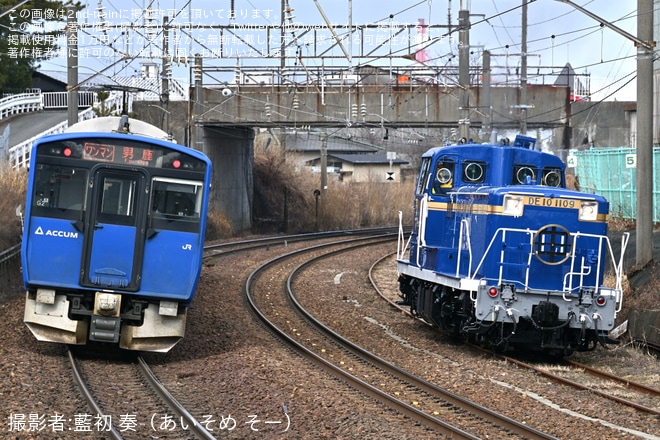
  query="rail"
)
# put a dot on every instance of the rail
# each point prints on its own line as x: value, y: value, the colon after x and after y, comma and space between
x: 10, y: 253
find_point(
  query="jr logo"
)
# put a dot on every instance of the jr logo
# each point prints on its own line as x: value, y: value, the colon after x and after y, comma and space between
x: 187, y: 247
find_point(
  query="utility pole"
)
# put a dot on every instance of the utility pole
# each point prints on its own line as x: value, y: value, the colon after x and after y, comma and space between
x: 464, y: 71
x: 72, y: 64
x: 523, y: 71
x: 197, y: 106
x: 645, y: 49
x: 165, y: 75
x: 485, y: 90
x: 644, y: 246
x: 324, y: 160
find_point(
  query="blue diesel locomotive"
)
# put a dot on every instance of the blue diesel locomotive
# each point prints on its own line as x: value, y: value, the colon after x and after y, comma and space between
x: 502, y: 253
x: 113, y: 235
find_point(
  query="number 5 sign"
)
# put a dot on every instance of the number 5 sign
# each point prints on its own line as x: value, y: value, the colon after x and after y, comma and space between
x: 631, y: 161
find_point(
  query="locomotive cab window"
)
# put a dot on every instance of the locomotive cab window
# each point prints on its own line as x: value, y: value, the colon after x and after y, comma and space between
x: 474, y: 172
x: 59, y: 191
x: 525, y: 174
x: 443, y: 177
x: 552, y: 177
x: 424, y: 173
x: 176, y: 204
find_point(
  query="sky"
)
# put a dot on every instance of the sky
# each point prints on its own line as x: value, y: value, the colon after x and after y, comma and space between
x: 557, y: 34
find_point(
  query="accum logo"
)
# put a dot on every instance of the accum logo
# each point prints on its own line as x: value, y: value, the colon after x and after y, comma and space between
x: 55, y: 233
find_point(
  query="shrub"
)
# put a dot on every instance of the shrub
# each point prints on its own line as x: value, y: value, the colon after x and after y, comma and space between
x: 12, y: 187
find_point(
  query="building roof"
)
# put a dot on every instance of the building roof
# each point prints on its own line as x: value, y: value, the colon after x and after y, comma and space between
x: 311, y: 141
x: 367, y: 159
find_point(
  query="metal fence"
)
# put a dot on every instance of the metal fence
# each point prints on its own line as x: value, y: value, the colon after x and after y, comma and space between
x: 21, y: 103
x: 19, y: 155
x: 611, y: 173
x: 60, y: 100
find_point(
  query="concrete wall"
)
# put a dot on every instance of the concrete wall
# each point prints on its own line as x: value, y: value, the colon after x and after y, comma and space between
x: 391, y: 105
x: 176, y: 122
x: 231, y: 150
x: 601, y: 124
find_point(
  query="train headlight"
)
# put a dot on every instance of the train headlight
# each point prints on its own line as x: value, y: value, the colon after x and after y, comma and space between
x: 493, y: 292
x: 513, y: 205
x: 588, y: 211
x: 601, y: 300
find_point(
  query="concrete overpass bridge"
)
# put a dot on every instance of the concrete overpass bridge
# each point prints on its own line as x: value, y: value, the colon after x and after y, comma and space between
x: 222, y: 116
x: 398, y: 98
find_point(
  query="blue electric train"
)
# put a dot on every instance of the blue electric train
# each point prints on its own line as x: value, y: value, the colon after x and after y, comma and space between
x: 113, y: 235
x: 503, y: 253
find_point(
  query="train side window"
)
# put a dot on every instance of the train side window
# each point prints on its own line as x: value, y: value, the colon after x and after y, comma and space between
x: 551, y: 177
x: 59, y: 191
x: 443, y: 178
x: 176, y: 204
x: 521, y: 174
x: 474, y: 172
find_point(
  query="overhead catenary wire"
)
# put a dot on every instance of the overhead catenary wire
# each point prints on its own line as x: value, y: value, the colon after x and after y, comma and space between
x: 394, y: 52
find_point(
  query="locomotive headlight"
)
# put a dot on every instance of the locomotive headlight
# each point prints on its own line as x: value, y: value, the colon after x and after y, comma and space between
x: 588, y: 211
x: 513, y: 205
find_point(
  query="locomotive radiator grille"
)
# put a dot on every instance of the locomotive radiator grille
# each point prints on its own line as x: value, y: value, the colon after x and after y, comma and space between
x: 553, y: 244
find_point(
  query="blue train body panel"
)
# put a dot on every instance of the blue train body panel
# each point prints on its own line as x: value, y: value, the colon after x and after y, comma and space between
x: 113, y: 238
x: 172, y: 274
x: 56, y: 249
x: 500, y: 248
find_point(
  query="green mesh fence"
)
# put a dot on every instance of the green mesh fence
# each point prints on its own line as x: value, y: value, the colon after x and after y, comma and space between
x: 609, y: 172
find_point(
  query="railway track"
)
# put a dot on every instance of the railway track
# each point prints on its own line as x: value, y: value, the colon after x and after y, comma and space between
x: 119, y: 392
x: 436, y: 408
x: 647, y: 399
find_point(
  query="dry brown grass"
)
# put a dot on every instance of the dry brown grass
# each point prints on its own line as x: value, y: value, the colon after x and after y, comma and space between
x: 285, y: 199
x: 369, y: 204
x: 217, y: 226
x: 12, y: 189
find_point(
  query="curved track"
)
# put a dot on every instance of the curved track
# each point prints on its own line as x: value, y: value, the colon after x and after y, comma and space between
x: 587, y: 370
x: 443, y: 411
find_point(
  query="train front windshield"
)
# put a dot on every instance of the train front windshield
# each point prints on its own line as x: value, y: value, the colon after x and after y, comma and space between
x: 59, y: 191
x: 66, y: 172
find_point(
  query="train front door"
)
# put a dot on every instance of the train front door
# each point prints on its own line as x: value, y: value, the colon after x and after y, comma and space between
x: 114, y: 241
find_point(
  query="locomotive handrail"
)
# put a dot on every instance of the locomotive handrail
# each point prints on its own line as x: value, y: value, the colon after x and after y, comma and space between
x: 582, y: 273
x: 567, y: 288
x: 402, y: 245
x: 618, y: 268
x: 464, y: 231
x: 421, y: 233
x: 487, y: 251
